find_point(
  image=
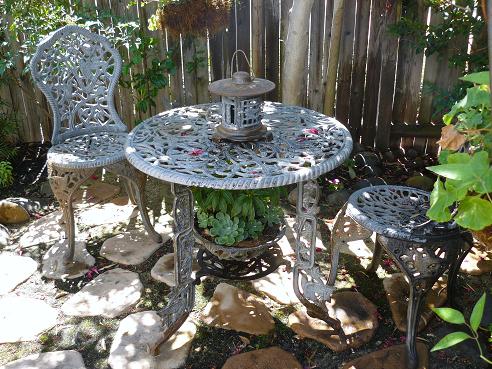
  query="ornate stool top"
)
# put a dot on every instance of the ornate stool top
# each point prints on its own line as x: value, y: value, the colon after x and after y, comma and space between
x: 397, y: 212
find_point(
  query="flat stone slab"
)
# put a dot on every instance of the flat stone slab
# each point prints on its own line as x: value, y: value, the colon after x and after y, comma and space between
x: 109, y: 294
x: 391, y: 357
x: 24, y: 318
x: 4, y: 236
x: 279, y: 286
x: 49, y: 360
x: 12, y: 213
x: 14, y: 270
x: 130, y: 248
x: 397, y: 292
x: 235, y: 309
x: 268, y: 358
x: 357, y: 314
x: 44, y: 230
x: 118, y: 210
x: 478, y: 261
x: 163, y: 270
x: 94, y: 193
x: 138, y: 343
x: 55, y: 266
x: 173, y: 353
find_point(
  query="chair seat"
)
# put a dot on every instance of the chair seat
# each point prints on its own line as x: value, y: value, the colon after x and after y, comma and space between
x: 397, y: 212
x: 90, y: 150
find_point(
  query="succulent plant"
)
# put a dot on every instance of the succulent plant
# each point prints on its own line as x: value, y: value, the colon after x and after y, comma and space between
x: 224, y: 229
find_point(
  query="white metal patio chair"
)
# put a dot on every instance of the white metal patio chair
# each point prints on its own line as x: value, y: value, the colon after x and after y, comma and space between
x: 78, y: 72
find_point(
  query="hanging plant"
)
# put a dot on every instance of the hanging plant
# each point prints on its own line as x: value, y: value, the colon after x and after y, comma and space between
x: 193, y: 17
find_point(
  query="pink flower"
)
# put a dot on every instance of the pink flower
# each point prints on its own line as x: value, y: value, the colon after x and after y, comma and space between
x: 388, y: 262
x: 313, y: 131
x: 319, y: 249
x: 94, y: 177
x: 92, y: 272
x: 196, y: 152
x: 185, y: 133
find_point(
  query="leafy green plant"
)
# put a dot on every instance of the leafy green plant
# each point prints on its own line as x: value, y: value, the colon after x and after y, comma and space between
x: 454, y: 316
x: 6, y: 177
x: 230, y: 217
x: 464, y: 163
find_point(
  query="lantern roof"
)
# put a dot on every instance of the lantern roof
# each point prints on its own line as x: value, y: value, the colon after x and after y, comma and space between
x: 241, y: 85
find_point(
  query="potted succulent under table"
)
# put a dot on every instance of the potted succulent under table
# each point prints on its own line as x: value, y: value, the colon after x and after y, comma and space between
x: 238, y: 225
x: 463, y: 190
x: 192, y: 17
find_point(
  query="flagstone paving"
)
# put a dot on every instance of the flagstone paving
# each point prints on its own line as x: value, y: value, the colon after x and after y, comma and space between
x: 279, y: 286
x: 14, y: 269
x: 478, y: 261
x: 44, y: 230
x: 163, y: 270
x: 54, y: 261
x: 269, y: 358
x: 24, y: 318
x: 49, y: 360
x: 173, y: 353
x: 109, y: 294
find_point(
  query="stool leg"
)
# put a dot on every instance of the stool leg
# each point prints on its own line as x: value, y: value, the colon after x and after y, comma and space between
x: 376, y: 257
x: 465, y: 248
x: 415, y: 302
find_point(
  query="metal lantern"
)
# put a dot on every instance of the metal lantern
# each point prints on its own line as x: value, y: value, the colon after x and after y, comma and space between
x: 241, y: 104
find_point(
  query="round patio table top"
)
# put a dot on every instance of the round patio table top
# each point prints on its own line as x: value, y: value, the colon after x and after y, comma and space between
x: 178, y: 146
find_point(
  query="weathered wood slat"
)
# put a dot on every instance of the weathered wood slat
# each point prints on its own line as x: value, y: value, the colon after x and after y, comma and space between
x: 359, y: 67
x: 195, y: 70
x: 285, y: 7
x: 315, y: 93
x: 272, y: 62
x: 258, y: 38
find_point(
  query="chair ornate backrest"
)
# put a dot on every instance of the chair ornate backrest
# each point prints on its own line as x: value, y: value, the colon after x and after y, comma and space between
x: 78, y: 72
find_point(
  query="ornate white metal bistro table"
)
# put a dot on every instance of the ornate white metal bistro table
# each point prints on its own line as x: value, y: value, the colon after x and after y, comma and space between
x: 178, y: 146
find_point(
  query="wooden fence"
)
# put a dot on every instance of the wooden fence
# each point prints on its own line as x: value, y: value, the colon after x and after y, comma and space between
x: 379, y: 79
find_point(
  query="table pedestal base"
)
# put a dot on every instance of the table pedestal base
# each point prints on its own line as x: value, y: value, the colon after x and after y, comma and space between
x: 245, y: 270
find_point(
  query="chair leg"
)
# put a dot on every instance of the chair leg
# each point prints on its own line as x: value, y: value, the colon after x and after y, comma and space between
x: 129, y: 191
x: 64, y: 183
x: 136, y: 183
x: 376, y: 257
x: 466, y: 246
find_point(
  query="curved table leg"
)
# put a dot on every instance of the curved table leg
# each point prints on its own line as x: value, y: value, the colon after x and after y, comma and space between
x: 309, y: 286
x: 182, y: 297
x: 466, y: 246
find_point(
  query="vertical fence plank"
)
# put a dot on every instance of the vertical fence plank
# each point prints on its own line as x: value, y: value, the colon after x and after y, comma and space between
x: 389, y: 47
x: 345, y: 63
x: 315, y: 93
x: 176, y: 84
x: 195, y: 71
x: 359, y: 67
x: 239, y: 31
x: 285, y: 7
x: 258, y: 38
x: 272, y: 62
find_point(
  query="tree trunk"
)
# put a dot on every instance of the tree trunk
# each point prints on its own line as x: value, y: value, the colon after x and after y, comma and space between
x: 296, y: 45
x: 331, y: 71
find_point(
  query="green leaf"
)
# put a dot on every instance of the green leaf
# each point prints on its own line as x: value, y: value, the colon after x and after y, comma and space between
x: 477, y: 313
x: 450, y: 340
x: 480, y: 78
x: 453, y: 171
x: 450, y: 315
x: 474, y: 213
x: 440, y: 201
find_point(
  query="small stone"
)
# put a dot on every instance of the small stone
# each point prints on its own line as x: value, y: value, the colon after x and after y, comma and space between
x: 368, y: 164
x: 44, y: 230
x: 109, y: 294
x: 163, y: 270
x: 411, y: 153
x: 279, y: 286
x: 397, y: 292
x: 337, y: 199
x: 119, y: 210
x: 24, y: 318
x: 268, y: 358
x: 49, y: 360
x: 173, y: 353
x: 4, y: 236
x: 56, y: 266
x: 478, y: 261
x: 12, y: 213
x: 130, y: 248
x: 136, y: 341
x: 293, y: 197
x: 95, y: 193
x: 389, y: 156
x: 422, y: 182
x: 31, y: 206
x: 357, y: 315
x: 484, y: 237
x: 363, y: 183
x: 235, y: 309
x: 45, y: 189
x: 14, y: 270
x: 391, y: 357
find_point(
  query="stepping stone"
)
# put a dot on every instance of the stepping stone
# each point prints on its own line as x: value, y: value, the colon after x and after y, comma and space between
x: 4, y: 236
x: 119, y: 210
x: 138, y: 343
x: 95, y: 193
x: 268, y: 358
x: 54, y: 265
x: 44, y: 230
x: 12, y: 213
x: 235, y: 309
x: 279, y: 286
x: 14, y: 270
x: 357, y: 314
x: 288, y: 243
x: 163, y: 270
x: 130, y: 248
x: 478, y: 261
x: 391, y: 357
x: 109, y: 294
x: 24, y: 318
x: 397, y: 292
x: 173, y: 353
x: 49, y: 360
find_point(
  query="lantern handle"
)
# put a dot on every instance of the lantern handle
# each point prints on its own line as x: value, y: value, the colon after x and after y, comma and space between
x: 237, y: 64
